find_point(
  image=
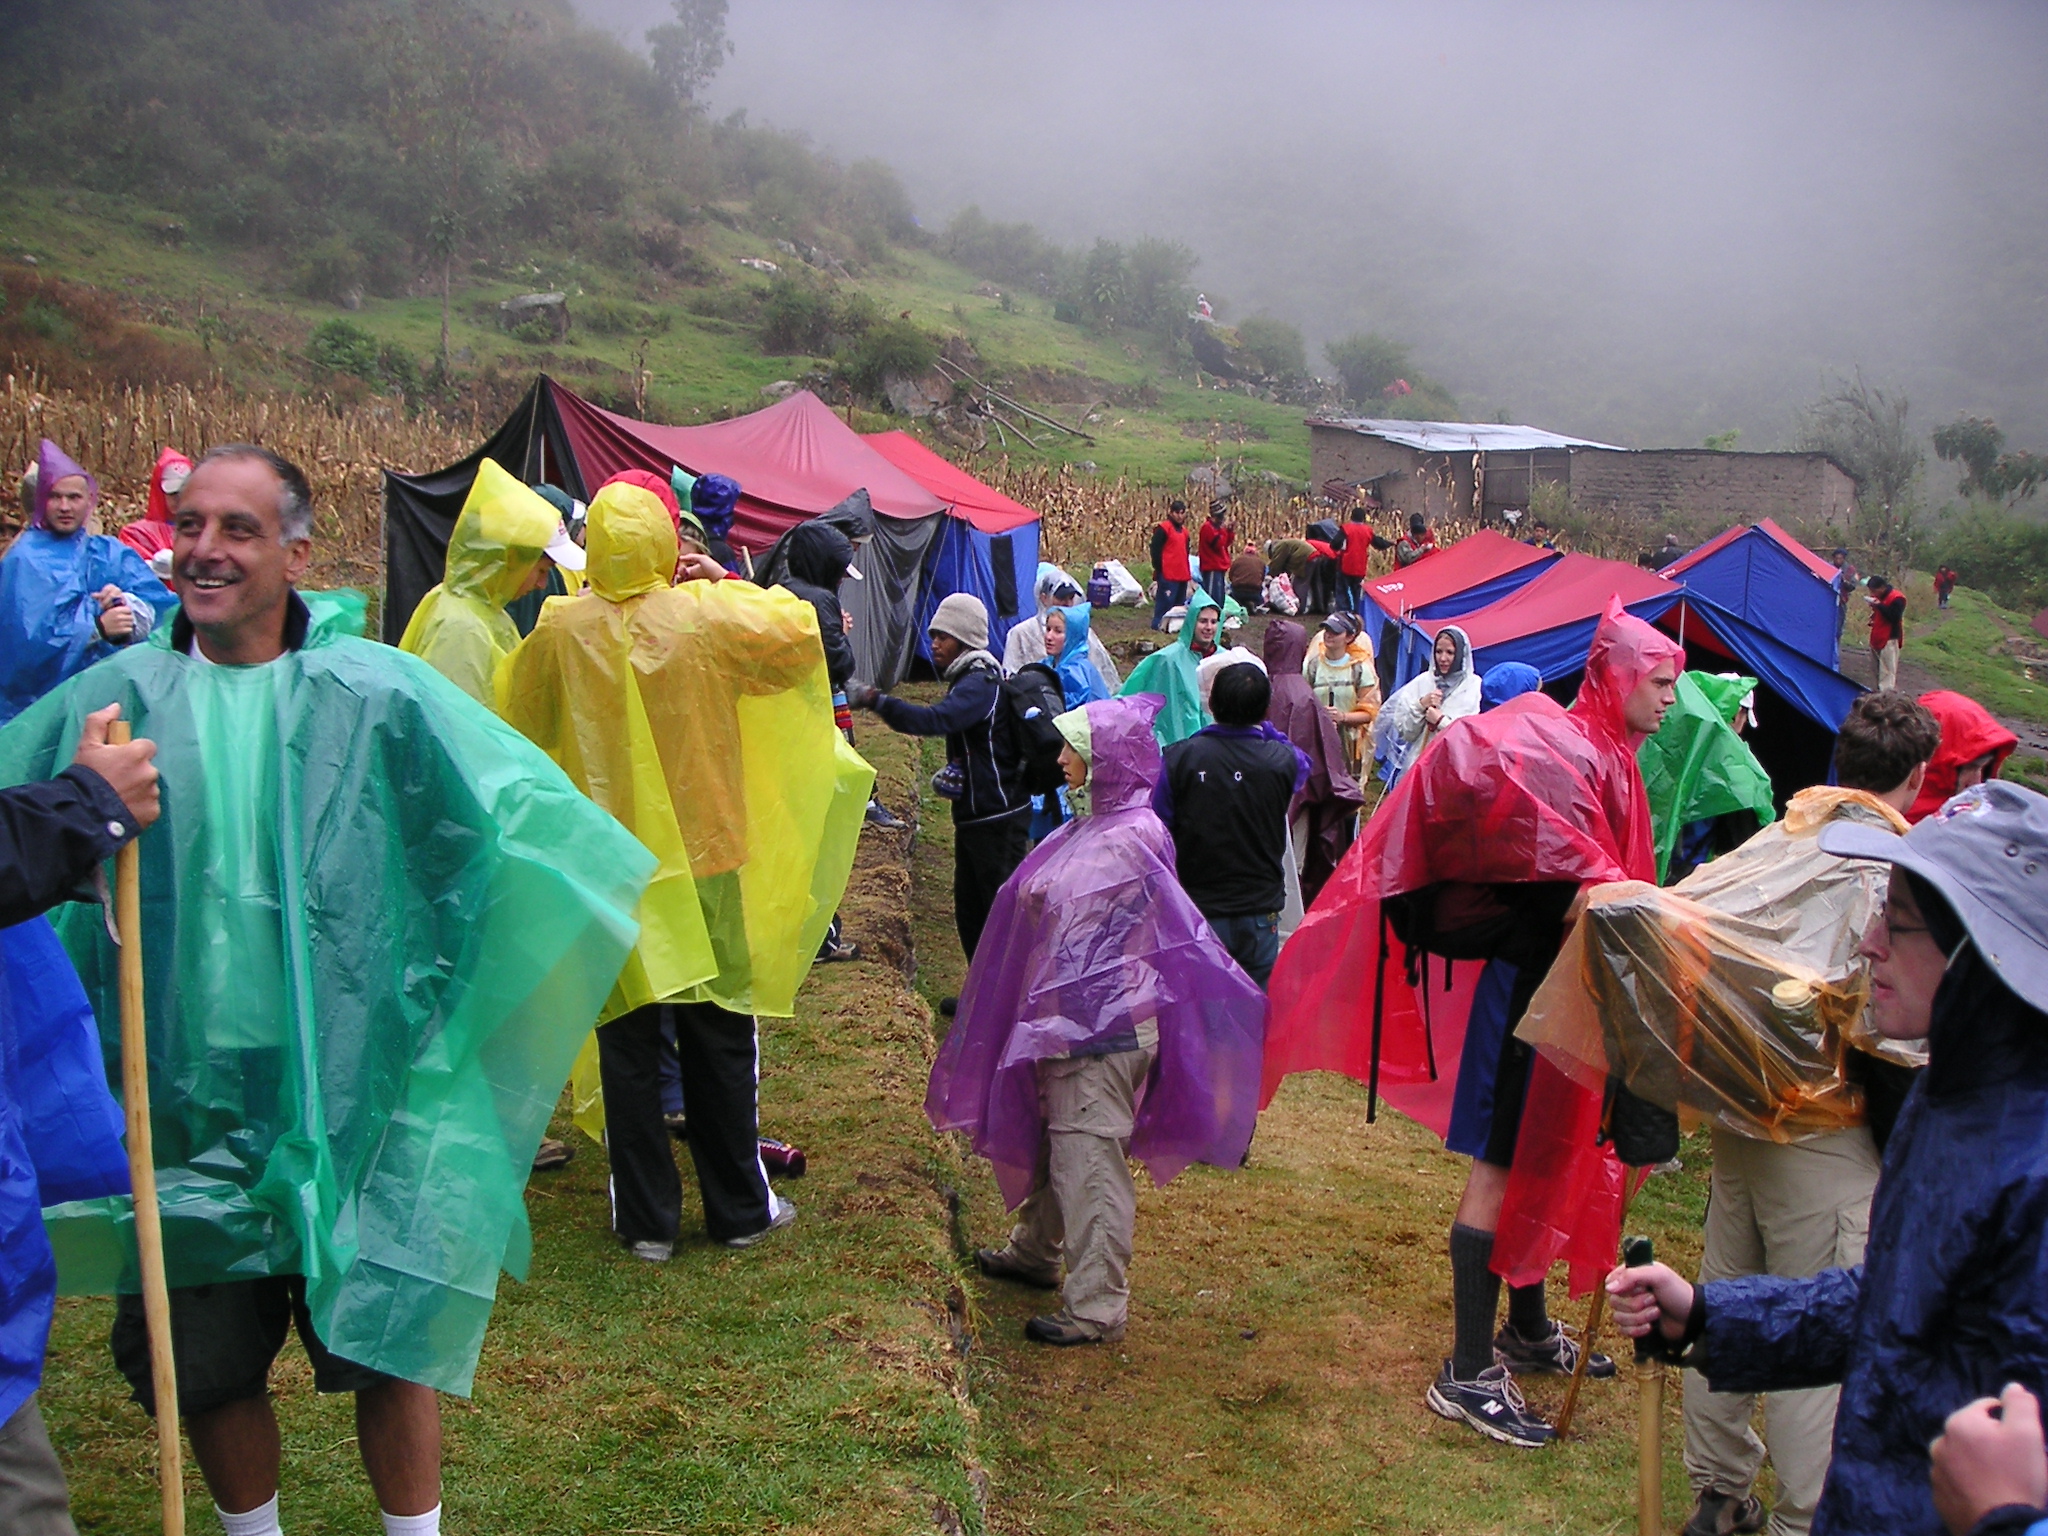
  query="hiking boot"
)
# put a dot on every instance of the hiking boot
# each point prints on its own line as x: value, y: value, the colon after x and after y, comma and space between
x: 842, y: 949
x: 879, y: 815
x: 1492, y: 1405
x: 1062, y: 1329
x: 652, y: 1250
x: 1003, y: 1264
x: 1724, y: 1514
x: 1557, y: 1354
x: 552, y: 1154
x: 780, y: 1214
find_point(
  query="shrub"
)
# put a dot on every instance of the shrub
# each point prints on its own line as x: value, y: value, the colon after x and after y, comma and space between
x: 1275, y: 346
x: 608, y: 317
x: 341, y: 346
x: 2000, y: 553
x: 331, y: 271
x: 895, y: 348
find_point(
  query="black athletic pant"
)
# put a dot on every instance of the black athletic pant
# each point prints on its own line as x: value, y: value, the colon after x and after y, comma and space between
x: 985, y: 854
x: 719, y: 1059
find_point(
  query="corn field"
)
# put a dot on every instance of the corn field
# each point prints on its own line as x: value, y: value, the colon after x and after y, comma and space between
x: 118, y: 432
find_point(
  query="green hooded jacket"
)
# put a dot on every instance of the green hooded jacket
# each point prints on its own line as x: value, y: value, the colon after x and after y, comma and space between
x: 1696, y: 767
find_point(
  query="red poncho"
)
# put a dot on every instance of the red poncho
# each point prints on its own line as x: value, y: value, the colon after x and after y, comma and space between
x: 1968, y: 732
x: 1526, y: 792
x: 152, y: 531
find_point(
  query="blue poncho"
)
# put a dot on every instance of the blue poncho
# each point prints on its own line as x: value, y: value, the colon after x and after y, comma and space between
x: 49, y: 622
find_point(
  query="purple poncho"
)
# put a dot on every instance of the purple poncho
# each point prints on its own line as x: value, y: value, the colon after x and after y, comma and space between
x: 1091, y: 937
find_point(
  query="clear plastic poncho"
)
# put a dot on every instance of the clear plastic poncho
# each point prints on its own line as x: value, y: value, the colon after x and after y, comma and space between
x: 701, y: 717
x: 1696, y: 767
x: 1731, y: 997
x: 377, y: 925
x: 1094, y: 937
x: 461, y: 628
x: 1170, y: 672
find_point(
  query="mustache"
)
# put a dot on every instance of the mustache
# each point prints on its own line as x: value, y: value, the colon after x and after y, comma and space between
x: 195, y: 570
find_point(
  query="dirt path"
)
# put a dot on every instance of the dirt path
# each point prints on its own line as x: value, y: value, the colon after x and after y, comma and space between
x: 1859, y: 664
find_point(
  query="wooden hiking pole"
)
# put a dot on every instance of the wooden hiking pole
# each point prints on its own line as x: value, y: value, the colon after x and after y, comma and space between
x: 1571, y: 1396
x: 149, y: 1230
x: 1636, y: 1252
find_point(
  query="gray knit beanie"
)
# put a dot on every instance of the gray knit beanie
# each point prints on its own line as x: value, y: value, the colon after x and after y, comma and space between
x: 964, y: 618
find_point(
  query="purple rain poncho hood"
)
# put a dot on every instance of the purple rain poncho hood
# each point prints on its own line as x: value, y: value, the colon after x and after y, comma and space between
x: 54, y: 464
x: 1090, y: 938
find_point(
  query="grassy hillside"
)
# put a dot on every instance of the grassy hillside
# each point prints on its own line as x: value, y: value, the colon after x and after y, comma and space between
x: 214, y: 306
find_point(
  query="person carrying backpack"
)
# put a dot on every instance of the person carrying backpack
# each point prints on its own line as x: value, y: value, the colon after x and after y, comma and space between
x: 984, y: 773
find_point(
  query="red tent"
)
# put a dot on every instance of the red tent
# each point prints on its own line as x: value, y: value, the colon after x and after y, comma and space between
x: 1550, y: 622
x: 981, y: 505
x: 795, y: 459
x: 1482, y: 560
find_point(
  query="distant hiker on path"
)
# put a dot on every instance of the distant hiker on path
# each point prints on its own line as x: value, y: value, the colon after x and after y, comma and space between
x: 1887, y: 629
x: 1945, y: 579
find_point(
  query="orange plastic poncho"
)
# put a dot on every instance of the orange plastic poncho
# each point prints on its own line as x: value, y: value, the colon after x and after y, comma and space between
x: 701, y: 717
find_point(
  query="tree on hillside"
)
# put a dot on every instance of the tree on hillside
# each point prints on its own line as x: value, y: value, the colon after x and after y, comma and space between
x: 1160, y: 297
x: 443, y: 64
x: 1989, y: 472
x: 1863, y: 429
x: 1276, y: 346
x: 690, y: 50
x: 1367, y: 363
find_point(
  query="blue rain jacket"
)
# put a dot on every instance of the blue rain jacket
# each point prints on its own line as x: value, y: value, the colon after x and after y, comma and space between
x: 1951, y: 1301
x: 49, y: 622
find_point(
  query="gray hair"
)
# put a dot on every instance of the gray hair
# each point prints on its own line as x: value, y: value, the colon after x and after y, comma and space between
x: 294, y: 502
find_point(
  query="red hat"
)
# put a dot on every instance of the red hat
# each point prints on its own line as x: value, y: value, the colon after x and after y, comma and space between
x: 650, y: 482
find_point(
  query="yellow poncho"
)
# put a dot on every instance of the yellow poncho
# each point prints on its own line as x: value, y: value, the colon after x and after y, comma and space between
x: 461, y: 629
x: 701, y: 717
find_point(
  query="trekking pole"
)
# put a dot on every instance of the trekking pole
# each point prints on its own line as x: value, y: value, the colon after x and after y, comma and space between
x: 1571, y: 1396
x: 149, y: 1232
x: 1635, y: 1253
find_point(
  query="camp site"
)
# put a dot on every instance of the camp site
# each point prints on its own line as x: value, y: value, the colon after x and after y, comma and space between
x: 818, y: 768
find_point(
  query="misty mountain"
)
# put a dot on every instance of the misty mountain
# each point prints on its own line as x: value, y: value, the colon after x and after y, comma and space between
x: 1642, y: 223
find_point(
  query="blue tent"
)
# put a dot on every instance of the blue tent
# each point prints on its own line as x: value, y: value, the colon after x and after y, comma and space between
x: 1767, y: 578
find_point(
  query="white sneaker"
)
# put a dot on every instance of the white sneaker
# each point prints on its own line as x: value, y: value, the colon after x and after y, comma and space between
x: 781, y: 1213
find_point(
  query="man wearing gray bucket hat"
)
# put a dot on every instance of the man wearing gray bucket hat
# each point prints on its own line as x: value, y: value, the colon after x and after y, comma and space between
x: 1951, y: 1303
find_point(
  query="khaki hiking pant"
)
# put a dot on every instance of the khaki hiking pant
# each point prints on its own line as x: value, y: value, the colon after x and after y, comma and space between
x: 1084, y: 1205
x: 1888, y: 666
x: 1777, y: 1210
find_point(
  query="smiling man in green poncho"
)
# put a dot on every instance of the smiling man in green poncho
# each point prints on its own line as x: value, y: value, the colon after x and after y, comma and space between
x: 377, y: 924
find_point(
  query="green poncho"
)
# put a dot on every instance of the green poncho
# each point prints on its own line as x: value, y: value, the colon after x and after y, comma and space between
x: 1170, y: 673
x: 377, y: 923
x: 1696, y: 767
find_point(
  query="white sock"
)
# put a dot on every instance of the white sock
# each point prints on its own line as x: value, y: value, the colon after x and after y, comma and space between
x: 428, y: 1524
x: 260, y: 1521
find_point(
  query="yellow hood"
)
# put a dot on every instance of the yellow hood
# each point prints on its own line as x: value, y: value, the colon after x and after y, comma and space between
x: 631, y: 544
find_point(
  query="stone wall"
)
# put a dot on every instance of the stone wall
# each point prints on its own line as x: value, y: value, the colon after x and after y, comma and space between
x: 1435, y: 484
x: 1699, y: 484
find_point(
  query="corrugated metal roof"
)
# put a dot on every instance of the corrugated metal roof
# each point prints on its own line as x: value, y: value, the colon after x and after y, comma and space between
x: 1456, y: 436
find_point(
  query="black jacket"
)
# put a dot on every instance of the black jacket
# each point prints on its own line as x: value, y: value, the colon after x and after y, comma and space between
x: 975, y: 721
x: 53, y: 835
x: 818, y: 555
x: 1223, y: 794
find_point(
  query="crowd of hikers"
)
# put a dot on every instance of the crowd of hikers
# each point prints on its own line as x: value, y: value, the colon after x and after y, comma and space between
x: 593, y: 817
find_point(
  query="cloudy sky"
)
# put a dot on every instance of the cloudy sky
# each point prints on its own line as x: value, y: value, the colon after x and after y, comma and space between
x: 1643, y: 222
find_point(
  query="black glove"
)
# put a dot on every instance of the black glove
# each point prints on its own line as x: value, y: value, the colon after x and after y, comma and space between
x: 862, y: 695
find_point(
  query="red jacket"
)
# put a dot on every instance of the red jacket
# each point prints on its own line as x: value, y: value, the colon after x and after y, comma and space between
x: 1888, y: 620
x: 1214, y: 543
x: 1357, y: 549
x: 1172, y: 546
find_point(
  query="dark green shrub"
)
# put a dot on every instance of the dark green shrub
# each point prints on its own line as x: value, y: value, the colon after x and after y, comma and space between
x: 895, y: 348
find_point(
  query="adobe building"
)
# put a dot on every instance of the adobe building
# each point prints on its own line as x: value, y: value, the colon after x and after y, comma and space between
x: 1460, y: 469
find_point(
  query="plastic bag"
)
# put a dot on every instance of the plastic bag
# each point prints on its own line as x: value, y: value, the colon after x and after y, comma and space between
x: 1124, y: 591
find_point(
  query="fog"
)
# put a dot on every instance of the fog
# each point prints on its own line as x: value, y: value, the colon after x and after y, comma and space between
x: 1643, y: 223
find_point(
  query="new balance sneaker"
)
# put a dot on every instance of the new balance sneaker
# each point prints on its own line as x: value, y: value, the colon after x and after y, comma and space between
x: 1555, y: 1354
x: 1726, y: 1514
x: 1492, y: 1405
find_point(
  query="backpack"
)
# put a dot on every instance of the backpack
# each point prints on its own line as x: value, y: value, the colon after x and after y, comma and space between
x: 1033, y: 697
